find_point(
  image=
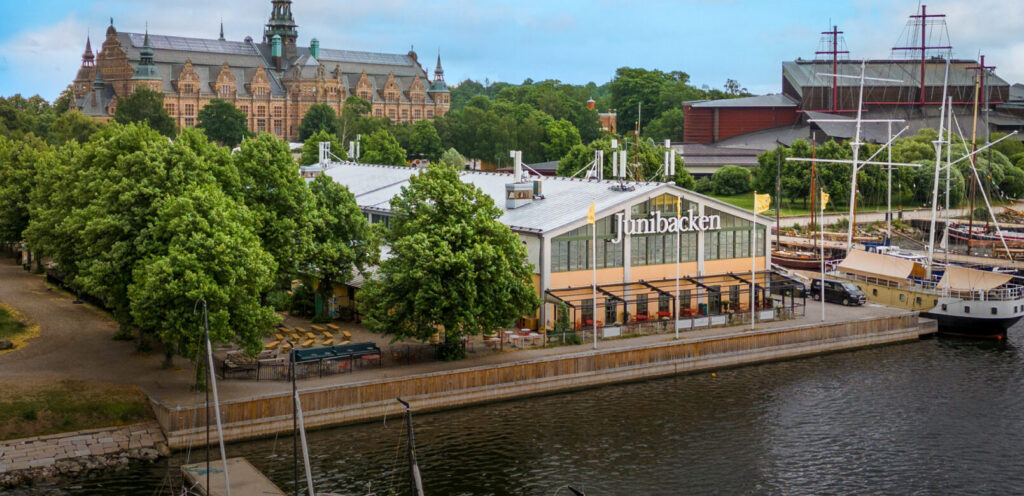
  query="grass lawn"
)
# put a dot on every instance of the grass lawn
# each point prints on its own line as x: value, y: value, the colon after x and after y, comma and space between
x: 746, y: 201
x: 9, y: 326
x: 68, y: 405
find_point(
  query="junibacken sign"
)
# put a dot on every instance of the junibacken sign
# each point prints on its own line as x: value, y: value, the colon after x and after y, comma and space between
x: 657, y: 224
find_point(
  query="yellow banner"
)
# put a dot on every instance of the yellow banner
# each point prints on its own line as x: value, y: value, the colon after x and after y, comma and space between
x: 762, y: 202
x: 590, y: 215
x: 679, y: 207
x: 824, y: 200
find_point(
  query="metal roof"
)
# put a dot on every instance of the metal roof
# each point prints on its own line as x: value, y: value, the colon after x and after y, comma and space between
x: 700, y: 155
x: 164, y: 42
x: 565, y: 200
x: 365, y: 57
x: 774, y: 100
x: 803, y: 73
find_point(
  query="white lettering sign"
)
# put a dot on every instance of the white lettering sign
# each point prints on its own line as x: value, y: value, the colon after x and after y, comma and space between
x: 658, y: 224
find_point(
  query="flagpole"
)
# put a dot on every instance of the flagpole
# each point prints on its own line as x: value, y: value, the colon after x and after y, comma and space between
x: 821, y: 232
x: 753, y: 263
x: 593, y: 256
x: 679, y: 213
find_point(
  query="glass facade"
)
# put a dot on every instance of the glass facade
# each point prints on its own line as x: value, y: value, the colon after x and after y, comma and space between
x: 571, y: 251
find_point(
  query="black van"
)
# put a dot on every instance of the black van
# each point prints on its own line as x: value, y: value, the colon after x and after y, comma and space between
x: 844, y: 292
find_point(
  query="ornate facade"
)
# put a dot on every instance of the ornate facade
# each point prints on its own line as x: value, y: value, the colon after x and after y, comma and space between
x: 274, y: 81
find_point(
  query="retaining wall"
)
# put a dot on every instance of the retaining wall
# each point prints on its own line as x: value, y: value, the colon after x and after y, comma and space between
x: 361, y: 401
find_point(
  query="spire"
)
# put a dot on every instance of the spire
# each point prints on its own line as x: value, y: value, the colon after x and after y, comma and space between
x: 146, y: 69
x: 221, y: 29
x: 438, y: 71
x: 281, y: 23
x: 88, y: 59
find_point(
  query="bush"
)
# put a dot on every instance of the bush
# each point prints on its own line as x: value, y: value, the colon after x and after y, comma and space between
x: 731, y: 180
x: 704, y: 186
x: 280, y: 300
x: 451, y: 350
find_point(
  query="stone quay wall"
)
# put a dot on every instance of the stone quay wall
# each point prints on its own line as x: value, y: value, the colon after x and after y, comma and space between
x: 76, y: 453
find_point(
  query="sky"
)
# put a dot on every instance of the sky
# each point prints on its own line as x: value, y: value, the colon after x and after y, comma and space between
x: 575, y: 41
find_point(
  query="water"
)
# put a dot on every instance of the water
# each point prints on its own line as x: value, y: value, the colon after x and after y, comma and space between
x: 939, y: 416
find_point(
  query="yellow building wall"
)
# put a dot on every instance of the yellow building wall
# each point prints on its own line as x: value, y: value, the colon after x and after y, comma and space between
x: 736, y: 265
x: 664, y: 271
x: 579, y: 278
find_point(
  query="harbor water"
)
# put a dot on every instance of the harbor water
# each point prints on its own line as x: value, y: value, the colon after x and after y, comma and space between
x: 938, y: 416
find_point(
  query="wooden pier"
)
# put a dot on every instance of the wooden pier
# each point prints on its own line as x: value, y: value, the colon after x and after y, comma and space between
x: 245, y: 479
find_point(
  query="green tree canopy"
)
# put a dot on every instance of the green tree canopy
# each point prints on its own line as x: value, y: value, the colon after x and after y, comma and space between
x: 223, y: 122
x: 200, y: 244
x: 21, y: 116
x: 353, y: 113
x: 19, y: 162
x: 452, y: 158
x: 668, y: 125
x: 343, y: 241
x: 279, y: 200
x: 453, y: 267
x: 560, y: 136
x: 72, y: 125
x: 311, y: 148
x: 382, y: 148
x: 146, y: 105
x: 319, y: 117
x: 731, y: 180
x: 424, y: 141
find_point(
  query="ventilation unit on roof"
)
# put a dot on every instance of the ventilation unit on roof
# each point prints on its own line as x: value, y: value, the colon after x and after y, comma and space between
x: 520, y: 191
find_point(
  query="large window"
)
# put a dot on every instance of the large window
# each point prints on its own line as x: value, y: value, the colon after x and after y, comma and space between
x: 656, y: 249
x: 733, y: 240
x: 572, y: 251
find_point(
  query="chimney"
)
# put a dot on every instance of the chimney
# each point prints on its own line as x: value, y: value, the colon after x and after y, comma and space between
x: 314, y: 48
x: 517, y: 192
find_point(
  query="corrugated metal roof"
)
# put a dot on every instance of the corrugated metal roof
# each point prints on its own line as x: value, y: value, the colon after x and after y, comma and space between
x: 775, y: 100
x: 356, y: 57
x: 565, y: 200
x: 700, y: 155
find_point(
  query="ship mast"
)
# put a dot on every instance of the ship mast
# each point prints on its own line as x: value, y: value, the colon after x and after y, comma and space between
x: 938, y: 165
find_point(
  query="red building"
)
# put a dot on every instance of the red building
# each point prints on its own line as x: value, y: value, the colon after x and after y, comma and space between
x: 716, y: 120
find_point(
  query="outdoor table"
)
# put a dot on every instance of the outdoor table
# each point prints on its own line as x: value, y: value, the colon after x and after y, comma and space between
x: 515, y: 340
x: 533, y: 336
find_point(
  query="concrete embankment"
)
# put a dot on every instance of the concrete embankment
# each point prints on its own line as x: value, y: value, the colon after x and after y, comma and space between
x: 361, y: 401
x: 80, y: 452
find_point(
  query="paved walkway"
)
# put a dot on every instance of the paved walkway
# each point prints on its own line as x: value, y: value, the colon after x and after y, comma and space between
x: 908, y: 214
x: 75, y: 342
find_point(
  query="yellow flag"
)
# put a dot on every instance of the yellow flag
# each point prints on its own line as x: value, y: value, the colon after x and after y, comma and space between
x: 762, y: 202
x: 590, y: 215
x: 679, y: 207
x: 824, y: 200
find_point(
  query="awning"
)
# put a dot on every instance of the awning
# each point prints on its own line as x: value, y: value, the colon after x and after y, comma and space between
x: 880, y: 266
x: 963, y: 278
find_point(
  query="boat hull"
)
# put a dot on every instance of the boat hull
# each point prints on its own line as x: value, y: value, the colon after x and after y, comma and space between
x: 959, y: 325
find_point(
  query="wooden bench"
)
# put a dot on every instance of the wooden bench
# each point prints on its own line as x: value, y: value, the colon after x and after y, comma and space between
x: 271, y: 345
x: 316, y: 328
x: 333, y: 327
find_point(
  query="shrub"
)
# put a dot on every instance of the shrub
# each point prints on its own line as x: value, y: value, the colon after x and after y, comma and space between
x: 451, y: 350
x: 731, y: 180
x: 280, y: 300
x: 302, y: 302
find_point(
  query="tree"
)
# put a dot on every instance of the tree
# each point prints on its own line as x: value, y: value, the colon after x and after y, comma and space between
x: 64, y: 102
x: 452, y: 158
x: 731, y: 180
x: 424, y: 141
x: 72, y: 125
x: 147, y: 106
x: 560, y: 137
x: 342, y: 238
x: 311, y: 148
x: 319, y: 117
x: 19, y: 161
x: 352, y: 113
x: 278, y: 199
x: 223, y: 122
x: 683, y: 178
x: 668, y: 125
x: 201, y: 245
x: 454, y: 268
x: 21, y: 116
x: 382, y: 148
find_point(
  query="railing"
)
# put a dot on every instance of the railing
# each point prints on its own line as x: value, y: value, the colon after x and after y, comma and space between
x: 1006, y: 292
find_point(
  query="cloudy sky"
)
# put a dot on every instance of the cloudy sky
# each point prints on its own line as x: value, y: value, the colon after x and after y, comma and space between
x: 571, y: 40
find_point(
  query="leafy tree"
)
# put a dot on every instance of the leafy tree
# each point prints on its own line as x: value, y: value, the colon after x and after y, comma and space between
x: 683, y: 178
x: 1013, y: 182
x: 319, y: 117
x: 353, y: 112
x: 424, y: 141
x: 19, y: 161
x: 278, y: 199
x: 731, y: 180
x: 147, y: 106
x: 21, y: 116
x: 311, y: 148
x: 1008, y: 147
x: 668, y: 125
x: 72, y: 125
x: 454, y: 267
x: 382, y: 148
x: 560, y: 137
x: 342, y: 239
x: 223, y: 122
x: 201, y: 244
x: 65, y: 101
x: 452, y: 158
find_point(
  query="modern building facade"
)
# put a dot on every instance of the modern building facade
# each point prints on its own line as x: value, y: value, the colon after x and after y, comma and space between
x: 274, y: 81
x: 637, y: 230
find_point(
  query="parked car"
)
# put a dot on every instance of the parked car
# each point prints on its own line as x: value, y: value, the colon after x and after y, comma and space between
x: 844, y: 292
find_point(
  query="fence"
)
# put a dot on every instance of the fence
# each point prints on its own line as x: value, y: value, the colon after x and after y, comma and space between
x: 362, y: 400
